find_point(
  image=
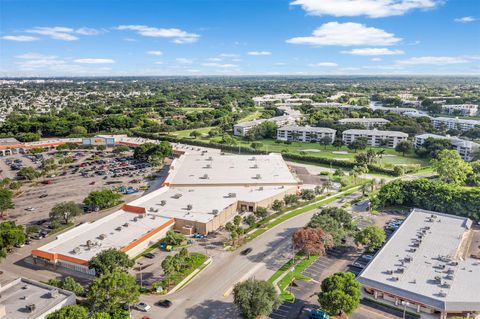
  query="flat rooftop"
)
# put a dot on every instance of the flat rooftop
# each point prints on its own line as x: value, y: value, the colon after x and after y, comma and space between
x: 201, y: 204
x: 8, y: 141
x: 375, y: 132
x: 116, y: 230
x: 223, y: 170
x: 21, y: 292
x: 364, y: 120
x: 439, y: 272
x: 307, y: 129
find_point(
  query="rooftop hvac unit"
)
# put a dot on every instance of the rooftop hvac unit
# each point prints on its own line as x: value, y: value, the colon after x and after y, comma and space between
x: 189, y: 207
x: 399, y: 270
x: 135, y: 218
x: 258, y: 176
x: 215, y: 212
x: 208, y: 166
x: 31, y: 308
x: 125, y: 225
x: 255, y: 166
x: 53, y: 293
x: 253, y: 158
x: 205, y: 176
x: 260, y: 188
x: 163, y: 202
x: 143, y: 215
x: 446, y: 285
x: 177, y: 196
x: 209, y: 158
x: 76, y: 250
x: 118, y: 228
x: 102, y: 236
x: 442, y: 293
x: 89, y: 243
x: 232, y: 195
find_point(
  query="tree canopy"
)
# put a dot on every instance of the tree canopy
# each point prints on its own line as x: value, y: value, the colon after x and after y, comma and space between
x: 110, y: 260
x: 152, y: 152
x: 451, y: 168
x: 372, y: 237
x: 6, y: 200
x: 312, y: 241
x: 65, y: 212
x: 340, y: 293
x: 69, y: 312
x: 101, y: 199
x: 10, y: 235
x: 255, y: 298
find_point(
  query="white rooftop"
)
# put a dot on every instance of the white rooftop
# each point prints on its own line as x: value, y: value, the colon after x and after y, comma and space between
x: 21, y: 292
x: 456, y: 119
x: 439, y: 273
x: 110, y: 231
x: 364, y: 120
x: 307, y: 129
x: 224, y: 170
x: 375, y: 132
x: 205, y: 202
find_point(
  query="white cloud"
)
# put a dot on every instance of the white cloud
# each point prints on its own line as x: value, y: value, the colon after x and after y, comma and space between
x: 33, y: 61
x: 465, y: 19
x: 220, y: 65
x: 373, y: 51
x: 35, y: 56
x: 156, y: 53
x: 376, y: 59
x: 280, y: 63
x: 193, y: 70
x: 62, y: 33
x: 214, y: 59
x: 324, y: 64
x: 346, y: 34
x: 434, y: 60
x: 178, y: 36
x: 229, y: 55
x: 184, y: 61
x: 94, y: 61
x: 259, y: 53
x: 370, y: 8
x: 87, y: 31
x: 19, y: 38
x: 158, y: 62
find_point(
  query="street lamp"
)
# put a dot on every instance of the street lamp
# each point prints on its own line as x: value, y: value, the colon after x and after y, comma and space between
x: 405, y: 304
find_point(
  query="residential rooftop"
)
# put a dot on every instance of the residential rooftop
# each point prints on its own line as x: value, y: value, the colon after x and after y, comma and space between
x: 428, y: 260
x: 307, y: 129
x: 375, y: 132
x: 453, y: 139
x: 21, y: 293
x: 363, y: 119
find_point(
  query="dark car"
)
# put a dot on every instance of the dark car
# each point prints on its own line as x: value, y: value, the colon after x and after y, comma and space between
x: 164, y: 303
x: 43, y: 196
x: 149, y: 255
x: 246, y: 251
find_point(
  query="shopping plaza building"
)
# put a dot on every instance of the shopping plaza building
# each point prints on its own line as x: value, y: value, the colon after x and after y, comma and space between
x: 430, y: 265
x: 203, y: 191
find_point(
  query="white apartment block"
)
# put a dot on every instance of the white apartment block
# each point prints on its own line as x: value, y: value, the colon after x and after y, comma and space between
x: 454, y: 123
x: 241, y: 129
x: 463, y: 147
x: 375, y: 137
x: 369, y: 123
x: 465, y: 109
x: 304, y: 133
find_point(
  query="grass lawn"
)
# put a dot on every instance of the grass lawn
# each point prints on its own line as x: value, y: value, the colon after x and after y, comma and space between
x: 186, y: 133
x: 196, y: 260
x: 250, y: 117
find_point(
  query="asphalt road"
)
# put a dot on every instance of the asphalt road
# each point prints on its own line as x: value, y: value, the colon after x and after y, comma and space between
x: 209, y: 295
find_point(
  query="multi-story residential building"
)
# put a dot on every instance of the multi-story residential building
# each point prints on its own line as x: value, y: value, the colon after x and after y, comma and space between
x: 465, y: 148
x: 304, y: 133
x: 369, y: 123
x: 241, y: 129
x: 375, y: 137
x: 464, y: 109
x: 454, y: 123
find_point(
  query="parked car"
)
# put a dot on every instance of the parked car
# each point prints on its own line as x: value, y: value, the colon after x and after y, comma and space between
x: 142, y: 306
x: 30, y: 209
x: 367, y: 257
x: 318, y: 314
x: 43, y: 196
x: 149, y: 255
x: 246, y: 251
x: 164, y: 303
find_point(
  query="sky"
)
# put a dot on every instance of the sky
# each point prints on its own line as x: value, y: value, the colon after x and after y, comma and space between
x: 239, y: 37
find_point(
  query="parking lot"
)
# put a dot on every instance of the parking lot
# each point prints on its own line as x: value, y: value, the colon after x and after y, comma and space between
x: 73, y: 182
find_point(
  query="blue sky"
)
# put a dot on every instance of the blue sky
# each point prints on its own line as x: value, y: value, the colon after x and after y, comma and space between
x: 239, y: 37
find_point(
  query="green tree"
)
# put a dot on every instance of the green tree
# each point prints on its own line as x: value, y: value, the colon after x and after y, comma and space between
x: 6, y: 201
x: 70, y: 284
x: 307, y: 194
x: 114, y: 290
x: 101, y: 199
x: 10, y: 235
x: 110, y: 260
x: 372, y: 237
x: 360, y: 143
x: 261, y: 212
x: 29, y: 173
x: 256, y: 145
x: 152, y: 152
x: 79, y: 131
x: 277, y: 205
x: 69, y: 312
x: 343, y: 217
x: 451, y: 168
x: 325, y: 141
x: 251, y: 220
x: 101, y: 315
x: 65, y: 212
x: 330, y: 225
x: 404, y: 147
x: 340, y: 293
x: 173, y: 238
x: 237, y: 220
x: 255, y: 298
x: 121, y: 149
x: 290, y: 199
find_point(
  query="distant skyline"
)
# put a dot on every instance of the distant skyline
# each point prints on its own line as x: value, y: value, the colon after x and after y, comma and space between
x: 247, y: 37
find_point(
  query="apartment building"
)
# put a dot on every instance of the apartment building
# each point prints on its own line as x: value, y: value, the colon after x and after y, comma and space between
x: 375, y: 137
x: 454, y: 123
x: 464, y: 109
x: 304, y: 133
x: 465, y: 148
x: 368, y: 123
x: 241, y: 129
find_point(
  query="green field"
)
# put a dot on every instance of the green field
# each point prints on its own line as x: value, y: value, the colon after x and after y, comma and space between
x: 195, y: 109
x: 391, y: 156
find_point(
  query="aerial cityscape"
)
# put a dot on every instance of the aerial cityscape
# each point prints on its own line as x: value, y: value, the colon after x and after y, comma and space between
x: 207, y: 159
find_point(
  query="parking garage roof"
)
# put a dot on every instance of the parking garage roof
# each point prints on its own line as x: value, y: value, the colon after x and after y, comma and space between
x: 439, y: 272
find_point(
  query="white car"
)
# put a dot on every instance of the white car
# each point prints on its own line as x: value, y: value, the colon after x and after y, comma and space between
x: 142, y: 306
x: 30, y: 209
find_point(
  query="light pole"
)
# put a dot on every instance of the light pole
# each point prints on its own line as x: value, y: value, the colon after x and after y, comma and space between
x: 141, y: 275
x: 405, y: 304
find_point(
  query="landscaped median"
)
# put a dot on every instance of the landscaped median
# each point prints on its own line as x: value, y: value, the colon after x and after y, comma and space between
x: 290, y: 271
x: 192, y: 275
x: 298, y: 211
